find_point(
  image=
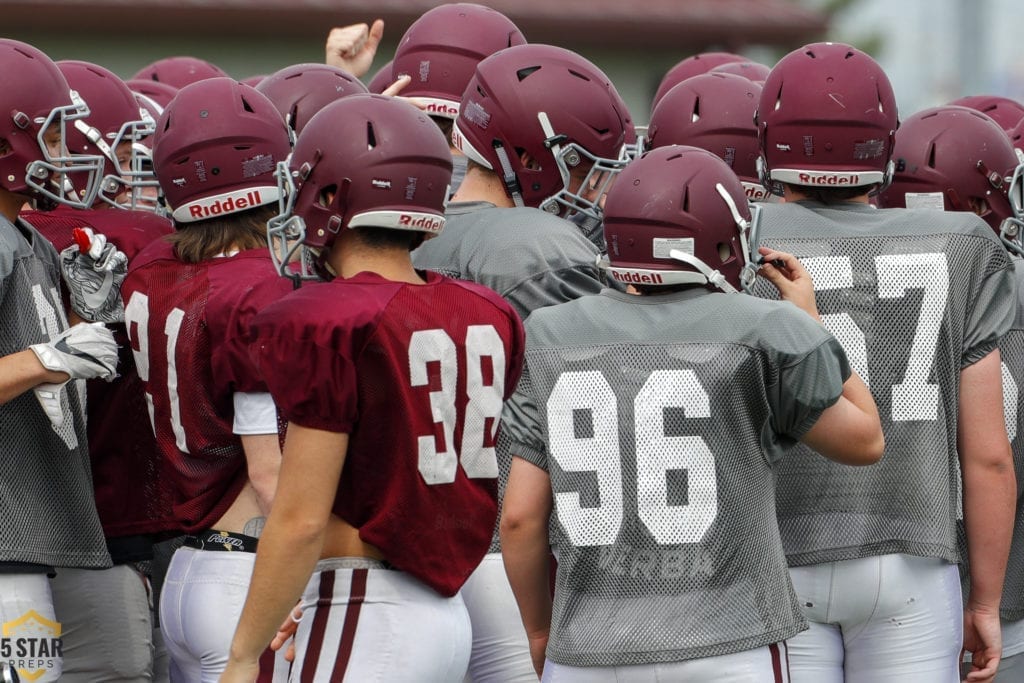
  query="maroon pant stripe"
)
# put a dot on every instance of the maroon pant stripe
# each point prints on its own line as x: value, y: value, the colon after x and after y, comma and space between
x: 266, y: 674
x: 316, y: 636
x: 776, y: 663
x: 348, y: 631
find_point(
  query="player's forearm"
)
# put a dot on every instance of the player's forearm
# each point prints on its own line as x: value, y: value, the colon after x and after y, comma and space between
x: 263, y: 463
x: 22, y: 371
x: 527, y: 557
x: 288, y: 552
x: 989, y: 485
x: 989, y: 497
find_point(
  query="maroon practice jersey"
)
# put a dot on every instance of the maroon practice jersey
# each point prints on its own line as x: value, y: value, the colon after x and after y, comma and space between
x: 416, y: 375
x: 188, y: 324
x: 122, y: 450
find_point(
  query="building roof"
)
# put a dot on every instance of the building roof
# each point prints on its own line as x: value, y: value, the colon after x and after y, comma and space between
x: 658, y: 24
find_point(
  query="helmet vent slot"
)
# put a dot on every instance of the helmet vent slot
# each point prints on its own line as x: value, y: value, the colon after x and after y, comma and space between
x: 931, y: 155
x: 577, y: 74
x: 523, y: 74
x: 686, y: 200
x: 695, y: 114
x: 371, y: 136
x: 247, y: 106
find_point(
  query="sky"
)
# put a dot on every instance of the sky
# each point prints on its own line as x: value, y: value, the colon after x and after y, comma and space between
x: 937, y: 50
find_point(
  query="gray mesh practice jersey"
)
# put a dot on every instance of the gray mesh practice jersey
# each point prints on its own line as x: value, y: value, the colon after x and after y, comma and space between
x: 1011, y: 348
x: 47, y: 512
x: 659, y: 420
x: 529, y: 257
x: 914, y: 296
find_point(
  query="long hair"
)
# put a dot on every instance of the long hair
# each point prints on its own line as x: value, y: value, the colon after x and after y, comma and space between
x: 195, y: 242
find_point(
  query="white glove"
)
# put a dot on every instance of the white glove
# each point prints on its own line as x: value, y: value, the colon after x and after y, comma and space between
x: 94, y: 270
x: 84, y: 351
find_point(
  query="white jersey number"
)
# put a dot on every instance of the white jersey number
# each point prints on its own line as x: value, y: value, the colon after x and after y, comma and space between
x: 136, y: 318
x: 483, y: 406
x: 51, y: 323
x: 1010, y: 395
x: 915, y: 398
x: 583, y: 429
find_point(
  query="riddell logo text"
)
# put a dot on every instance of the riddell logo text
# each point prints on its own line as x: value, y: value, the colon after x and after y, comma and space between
x: 808, y: 179
x: 756, y: 194
x: 638, y: 278
x: 425, y: 223
x: 442, y: 108
x: 228, y: 205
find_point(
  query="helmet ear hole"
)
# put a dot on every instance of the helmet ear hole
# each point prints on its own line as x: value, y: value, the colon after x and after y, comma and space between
x: 327, y: 195
x: 724, y: 251
x: 5, y: 147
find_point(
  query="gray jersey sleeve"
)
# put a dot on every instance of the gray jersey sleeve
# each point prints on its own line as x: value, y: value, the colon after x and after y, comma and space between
x: 994, y: 308
x: 522, y: 425
x: 807, y: 385
x: 553, y: 286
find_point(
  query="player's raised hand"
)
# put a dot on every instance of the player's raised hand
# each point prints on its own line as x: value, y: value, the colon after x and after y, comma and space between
x: 791, y: 279
x: 353, y: 47
x: 93, y: 270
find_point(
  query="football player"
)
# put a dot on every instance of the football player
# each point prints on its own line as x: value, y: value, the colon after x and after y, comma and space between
x: 955, y: 159
x: 111, y: 606
x: 49, y: 514
x: 392, y: 381
x: 188, y: 303
x: 661, y: 515
x: 542, y: 128
x: 919, y: 299
x: 439, y: 53
x: 713, y: 111
x: 694, y: 65
x: 301, y: 90
x: 179, y: 71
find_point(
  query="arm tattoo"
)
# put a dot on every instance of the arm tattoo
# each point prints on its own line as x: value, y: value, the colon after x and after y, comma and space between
x: 254, y: 527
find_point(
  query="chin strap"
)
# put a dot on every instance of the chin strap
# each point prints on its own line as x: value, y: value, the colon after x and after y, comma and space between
x: 713, y: 277
x: 747, y: 235
x: 508, y: 176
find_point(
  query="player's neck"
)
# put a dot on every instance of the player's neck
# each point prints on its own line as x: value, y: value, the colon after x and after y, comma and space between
x: 10, y: 204
x: 391, y: 264
x: 482, y: 186
x: 793, y: 194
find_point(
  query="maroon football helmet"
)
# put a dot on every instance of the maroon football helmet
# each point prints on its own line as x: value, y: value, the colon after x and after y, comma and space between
x: 1004, y: 111
x: 694, y: 65
x: 179, y: 71
x: 827, y: 118
x: 678, y: 215
x: 560, y: 110
x: 253, y: 81
x: 751, y: 70
x: 160, y: 93
x: 956, y: 159
x: 381, y: 80
x: 34, y: 96
x: 441, y: 49
x: 113, y: 129
x: 386, y: 164
x: 301, y: 90
x: 713, y: 111
x: 216, y: 148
